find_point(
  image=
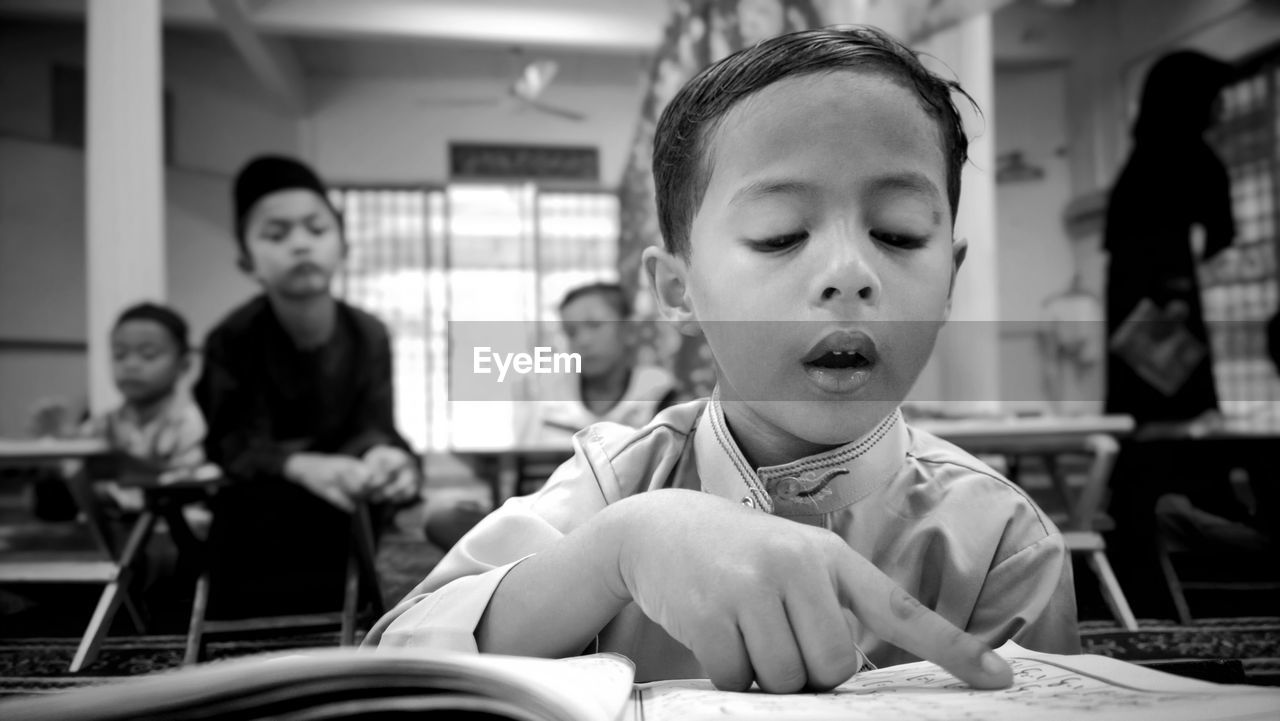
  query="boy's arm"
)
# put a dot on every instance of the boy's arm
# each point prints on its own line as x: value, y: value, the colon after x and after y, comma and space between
x: 375, y: 423
x: 445, y: 609
x: 1030, y: 598
x: 189, y: 433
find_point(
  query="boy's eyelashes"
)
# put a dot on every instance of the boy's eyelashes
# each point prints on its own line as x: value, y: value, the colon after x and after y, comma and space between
x: 786, y: 242
x: 779, y: 243
x: 899, y: 240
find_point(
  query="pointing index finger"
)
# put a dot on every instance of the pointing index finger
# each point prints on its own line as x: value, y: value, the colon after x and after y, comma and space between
x: 899, y: 618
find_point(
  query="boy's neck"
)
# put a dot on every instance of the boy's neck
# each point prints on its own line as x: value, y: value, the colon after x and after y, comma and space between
x: 308, y: 321
x: 600, y: 393
x: 148, y: 410
x: 763, y: 445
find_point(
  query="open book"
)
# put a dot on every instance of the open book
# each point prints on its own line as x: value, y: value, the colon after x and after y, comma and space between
x: 343, y: 683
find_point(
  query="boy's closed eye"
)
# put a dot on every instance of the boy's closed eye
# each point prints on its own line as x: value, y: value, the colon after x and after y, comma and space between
x: 900, y: 240
x: 780, y: 243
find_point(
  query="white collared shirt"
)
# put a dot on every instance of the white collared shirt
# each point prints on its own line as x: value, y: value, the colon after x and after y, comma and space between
x: 955, y: 534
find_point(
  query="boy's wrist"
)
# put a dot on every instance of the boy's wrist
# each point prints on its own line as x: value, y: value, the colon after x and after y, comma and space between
x: 616, y: 528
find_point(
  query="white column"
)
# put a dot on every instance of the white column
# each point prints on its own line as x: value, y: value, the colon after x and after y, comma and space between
x: 124, y: 174
x: 967, y: 359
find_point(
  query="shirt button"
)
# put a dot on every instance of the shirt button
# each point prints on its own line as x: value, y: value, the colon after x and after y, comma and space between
x: 748, y: 501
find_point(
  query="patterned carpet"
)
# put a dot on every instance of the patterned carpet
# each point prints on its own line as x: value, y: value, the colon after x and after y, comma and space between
x: 1255, y: 642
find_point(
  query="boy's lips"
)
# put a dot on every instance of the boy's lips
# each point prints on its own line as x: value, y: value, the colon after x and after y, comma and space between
x: 842, y: 361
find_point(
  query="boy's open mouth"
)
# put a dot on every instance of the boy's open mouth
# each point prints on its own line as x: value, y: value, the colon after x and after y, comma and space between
x: 842, y: 361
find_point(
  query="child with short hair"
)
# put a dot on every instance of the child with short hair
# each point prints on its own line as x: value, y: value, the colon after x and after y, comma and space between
x: 611, y: 386
x: 792, y: 526
x: 150, y: 352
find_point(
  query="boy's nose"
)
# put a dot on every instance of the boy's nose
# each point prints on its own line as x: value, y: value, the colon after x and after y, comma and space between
x: 848, y: 277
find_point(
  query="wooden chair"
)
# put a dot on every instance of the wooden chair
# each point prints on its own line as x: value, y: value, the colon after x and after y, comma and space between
x: 1080, y: 524
x: 361, y: 576
x: 1171, y: 548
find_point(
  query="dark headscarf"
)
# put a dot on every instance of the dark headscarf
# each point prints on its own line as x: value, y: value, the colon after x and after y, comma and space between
x: 1178, y: 96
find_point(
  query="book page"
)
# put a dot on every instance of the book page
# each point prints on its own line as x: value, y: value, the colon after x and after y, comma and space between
x: 1046, y: 687
x: 584, y: 688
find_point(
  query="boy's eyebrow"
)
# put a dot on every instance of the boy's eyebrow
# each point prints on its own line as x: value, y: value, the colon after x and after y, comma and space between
x: 910, y: 182
x: 764, y: 188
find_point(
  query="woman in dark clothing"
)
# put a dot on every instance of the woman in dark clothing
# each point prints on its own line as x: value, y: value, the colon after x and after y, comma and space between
x: 1172, y: 182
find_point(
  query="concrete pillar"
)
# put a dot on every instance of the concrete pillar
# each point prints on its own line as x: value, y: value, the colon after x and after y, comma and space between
x: 124, y: 174
x: 967, y: 358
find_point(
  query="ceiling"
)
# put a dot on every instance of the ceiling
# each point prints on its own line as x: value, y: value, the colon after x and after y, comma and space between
x: 592, y: 40
x: 603, y: 26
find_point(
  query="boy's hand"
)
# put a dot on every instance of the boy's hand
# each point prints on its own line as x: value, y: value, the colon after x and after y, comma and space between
x: 51, y: 418
x: 764, y: 599
x: 395, y: 474
x: 337, y: 479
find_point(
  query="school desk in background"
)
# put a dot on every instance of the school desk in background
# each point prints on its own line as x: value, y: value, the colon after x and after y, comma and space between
x: 84, y: 550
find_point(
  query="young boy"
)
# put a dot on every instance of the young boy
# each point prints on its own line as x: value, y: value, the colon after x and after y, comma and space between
x: 297, y: 390
x: 150, y: 353
x: 807, y: 188
x: 611, y: 386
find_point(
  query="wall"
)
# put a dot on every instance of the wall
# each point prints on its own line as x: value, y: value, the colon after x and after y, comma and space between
x: 1035, y: 259
x: 220, y: 119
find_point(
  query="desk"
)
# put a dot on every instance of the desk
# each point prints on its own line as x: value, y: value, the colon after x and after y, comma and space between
x: 104, y: 562
x: 505, y: 469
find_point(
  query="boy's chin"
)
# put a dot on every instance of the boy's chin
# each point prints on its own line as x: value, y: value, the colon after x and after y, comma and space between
x: 302, y: 290
x: 838, y: 422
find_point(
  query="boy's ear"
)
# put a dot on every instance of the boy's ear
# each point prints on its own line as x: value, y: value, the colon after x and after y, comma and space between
x: 959, y: 248
x: 244, y: 264
x: 668, y: 275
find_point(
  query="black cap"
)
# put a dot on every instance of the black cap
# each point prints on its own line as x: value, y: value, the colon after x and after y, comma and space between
x: 267, y: 174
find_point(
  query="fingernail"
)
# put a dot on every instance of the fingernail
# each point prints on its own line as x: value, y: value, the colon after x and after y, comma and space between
x: 992, y: 664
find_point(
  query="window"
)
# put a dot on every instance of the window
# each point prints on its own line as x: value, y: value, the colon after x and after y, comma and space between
x: 1239, y: 286
x: 422, y: 257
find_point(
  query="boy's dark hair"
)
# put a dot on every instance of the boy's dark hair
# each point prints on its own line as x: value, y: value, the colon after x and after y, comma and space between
x: 681, y: 157
x: 612, y: 293
x: 166, y: 317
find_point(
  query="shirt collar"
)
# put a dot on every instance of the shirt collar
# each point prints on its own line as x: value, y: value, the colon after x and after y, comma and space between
x: 129, y: 414
x: 810, y: 486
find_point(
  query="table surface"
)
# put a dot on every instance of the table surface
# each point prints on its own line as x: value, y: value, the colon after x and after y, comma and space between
x: 44, y: 449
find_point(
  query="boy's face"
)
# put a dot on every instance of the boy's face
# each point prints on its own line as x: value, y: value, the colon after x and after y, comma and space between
x: 595, y: 332
x: 294, y: 244
x: 821, y: 259
x: 145, y: 360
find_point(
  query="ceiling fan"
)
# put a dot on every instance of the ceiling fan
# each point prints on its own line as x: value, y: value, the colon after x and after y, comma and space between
x: 523, y: 92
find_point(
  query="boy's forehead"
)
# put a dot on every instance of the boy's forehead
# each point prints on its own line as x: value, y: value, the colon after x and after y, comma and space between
x: 857, y: 108
x: 589, y: 305
x: 288, y: 204
x: 140, y: 330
